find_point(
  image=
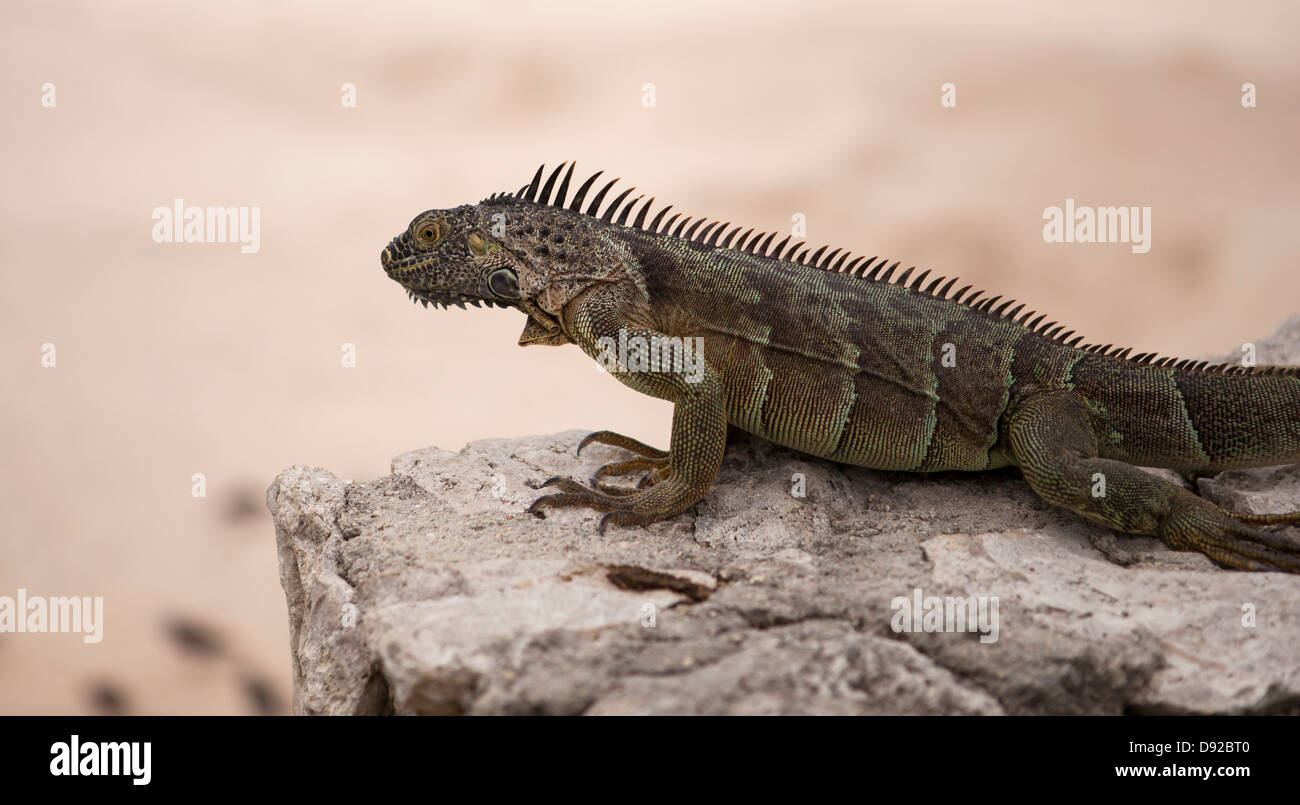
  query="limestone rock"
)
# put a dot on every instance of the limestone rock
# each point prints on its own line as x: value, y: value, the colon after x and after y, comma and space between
x: 431, y: 591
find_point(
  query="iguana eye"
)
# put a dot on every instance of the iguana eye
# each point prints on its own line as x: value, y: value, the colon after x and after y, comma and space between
x: 428, y: 233
x: 504, y: 283
x: 476, y: 244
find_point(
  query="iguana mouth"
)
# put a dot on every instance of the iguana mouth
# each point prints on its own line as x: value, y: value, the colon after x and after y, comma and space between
x: 450, y: 300
x: 396, y: 263
x: 400, y: 266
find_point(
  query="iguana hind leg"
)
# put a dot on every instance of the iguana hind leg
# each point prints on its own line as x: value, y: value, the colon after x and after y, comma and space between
x: 1053, y: 441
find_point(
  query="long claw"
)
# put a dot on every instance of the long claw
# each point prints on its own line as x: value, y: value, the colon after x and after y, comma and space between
x: 1231, y: 543
x: 613, y: 439
x: 628, y: 467
x: 565, y: 499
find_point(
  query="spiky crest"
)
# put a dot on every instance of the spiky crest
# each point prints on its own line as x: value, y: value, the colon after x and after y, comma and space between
x: 710, y: 236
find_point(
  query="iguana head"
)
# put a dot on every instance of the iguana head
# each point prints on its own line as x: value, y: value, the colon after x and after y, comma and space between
x: 466, y: 255
x: 448, y: 257
x: 513, y: 250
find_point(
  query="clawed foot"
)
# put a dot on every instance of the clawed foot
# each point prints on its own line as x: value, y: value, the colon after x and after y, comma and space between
x: 622, y: 509
x: 1237, y: 542
x: 653, y: 459
x: 655, y: 497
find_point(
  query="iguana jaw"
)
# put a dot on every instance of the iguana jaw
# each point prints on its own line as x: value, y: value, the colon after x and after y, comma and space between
x: 427, y: 283
x: 451, y: 300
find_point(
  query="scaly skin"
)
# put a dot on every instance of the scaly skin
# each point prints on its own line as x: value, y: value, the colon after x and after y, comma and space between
x: 842, y: 360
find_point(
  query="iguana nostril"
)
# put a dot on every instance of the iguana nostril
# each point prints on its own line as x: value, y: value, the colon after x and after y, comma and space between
x: 392, y: 253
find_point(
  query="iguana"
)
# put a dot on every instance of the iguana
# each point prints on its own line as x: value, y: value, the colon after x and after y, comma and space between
x: 850, y: 361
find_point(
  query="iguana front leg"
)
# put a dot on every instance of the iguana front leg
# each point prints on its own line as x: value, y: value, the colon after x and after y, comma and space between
x: 1053, y: 441
x: 685, y: 473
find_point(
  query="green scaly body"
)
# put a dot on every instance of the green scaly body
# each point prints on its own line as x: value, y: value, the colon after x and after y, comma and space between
x: 825, y: 363
x: 852, y: 361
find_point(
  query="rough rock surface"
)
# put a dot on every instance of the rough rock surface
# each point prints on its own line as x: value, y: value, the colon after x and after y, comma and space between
x: 429, y: 591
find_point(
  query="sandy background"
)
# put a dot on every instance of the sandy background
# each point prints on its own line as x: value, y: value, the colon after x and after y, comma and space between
x: 177, y: 359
